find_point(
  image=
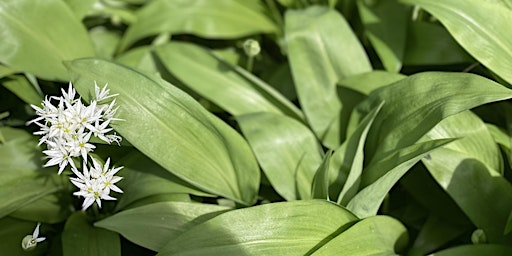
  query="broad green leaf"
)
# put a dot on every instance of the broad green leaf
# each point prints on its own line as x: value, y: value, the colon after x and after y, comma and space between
x: 378, y: 178
x: 5, y: 71
x: 20, y: 86
x: 12, y: 233
x: 320, y: 186
x: 221, y: 19
x: 287, y: 228
x: 19, y: 151
x: 476, y: 250
x: 221, y: 83
x: 353, y: 158
x: 142, y: 178
x: 385, y: 23
x: 481, y: 192
x: 414, y: 105
x: 80, y: 238
x: 367, y: 82
x: 37, y: 44
x: 313, y: 40
x: 476, y: 140
x: 287, y: 151
x: 470, y: 22
x: 377, y: 235
x: 153, y: 225
x: 430, y: 44
x: 173, y: 130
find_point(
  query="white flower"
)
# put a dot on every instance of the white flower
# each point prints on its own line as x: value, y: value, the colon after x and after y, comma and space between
x: 29, y: 242
x: 96, y: 182
x: 58, y: 155
x: 102, y: 94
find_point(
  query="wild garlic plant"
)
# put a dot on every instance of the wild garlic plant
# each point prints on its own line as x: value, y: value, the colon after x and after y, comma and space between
x: 66, y: 126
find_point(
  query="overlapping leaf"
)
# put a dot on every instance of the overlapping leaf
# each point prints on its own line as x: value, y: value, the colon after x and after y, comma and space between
x: 174, y: 130
x: 478, y: 26
x: 313, y: 39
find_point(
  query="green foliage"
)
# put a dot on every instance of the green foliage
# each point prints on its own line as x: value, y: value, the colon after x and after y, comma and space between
x: 353, y: 127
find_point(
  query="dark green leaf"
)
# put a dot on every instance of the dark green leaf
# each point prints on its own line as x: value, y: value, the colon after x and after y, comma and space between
x: 80, y: 238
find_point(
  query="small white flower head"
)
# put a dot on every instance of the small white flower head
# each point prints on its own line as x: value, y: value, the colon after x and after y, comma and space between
x: 96, y: 182
x: 66, y: 125
x: 29, y: 242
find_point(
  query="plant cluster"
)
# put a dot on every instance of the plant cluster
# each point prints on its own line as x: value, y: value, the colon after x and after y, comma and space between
x: 255, y: 127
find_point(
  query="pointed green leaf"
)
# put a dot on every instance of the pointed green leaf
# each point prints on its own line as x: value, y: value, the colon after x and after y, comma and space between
x: 313, y: 40
x: 470, y: 22
x: 378, y: 235
x: 221, y: 83
x: 28, y: 36
x: 353, y: 158
x: 221, y: 19
x: 378, y: 178
x: 320, y: 188
x: 287, y: 151
x: 409, y: 114
x: 287, y: 228
x: 153, y: 225
x: 80, y: 238
x: 173, y: 130
x: 367, y: 82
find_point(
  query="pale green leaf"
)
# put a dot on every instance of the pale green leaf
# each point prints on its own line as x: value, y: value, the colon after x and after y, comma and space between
x: 313, y: 40
x: 320, y: 186
x: 287, y: 228
x: 414, y: 105
x: 173, y: 130
x: 378, y: 178
x: 20, y: 86
x: 153, y: 225
x: 287, y: 151
x: 378, y: 235
x: 228, y: 86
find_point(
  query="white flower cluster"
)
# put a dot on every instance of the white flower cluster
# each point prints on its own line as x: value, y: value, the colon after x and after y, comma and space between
x: 66, y: 129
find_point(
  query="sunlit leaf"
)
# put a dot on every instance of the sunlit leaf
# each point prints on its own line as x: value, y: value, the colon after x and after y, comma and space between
x: 313, y: 40
x: 153, y: 225
x: 378, y: 235
x: 287, y: 151
x: 289, y: 228
x: 174, y: 130
x: 221, y: 83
